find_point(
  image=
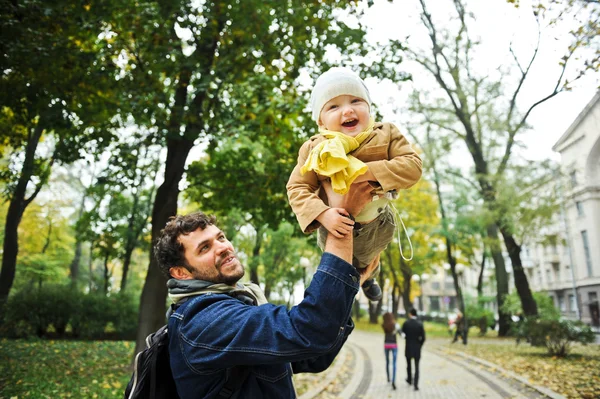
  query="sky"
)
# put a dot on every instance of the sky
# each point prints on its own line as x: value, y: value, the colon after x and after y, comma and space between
x: 497, y: 24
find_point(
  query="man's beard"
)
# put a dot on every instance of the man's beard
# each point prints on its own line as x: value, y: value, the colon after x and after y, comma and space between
x: 220, y: 278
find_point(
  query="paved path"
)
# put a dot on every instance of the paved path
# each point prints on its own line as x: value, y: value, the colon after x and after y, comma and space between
x: 440, y: 376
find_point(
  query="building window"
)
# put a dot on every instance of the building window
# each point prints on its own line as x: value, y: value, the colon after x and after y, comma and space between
x: 579, y: 207
x: 449, y: 285
x: 452, y: 304
x: 586, y: 250
x: 573, y: 177
x: 556, y: 270
x: 434, y: 303
x: 572, y: 302
x: 435, y: 285
x: 561, y: 303
x: 548, y: 275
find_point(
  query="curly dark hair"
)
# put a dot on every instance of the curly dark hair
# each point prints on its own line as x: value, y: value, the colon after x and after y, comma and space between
x: 168, y: 251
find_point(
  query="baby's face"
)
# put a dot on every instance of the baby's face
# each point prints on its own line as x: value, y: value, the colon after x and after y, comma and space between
x: 345, y: 114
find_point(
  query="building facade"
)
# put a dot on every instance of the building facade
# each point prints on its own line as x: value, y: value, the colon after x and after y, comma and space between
x: 575, y: 257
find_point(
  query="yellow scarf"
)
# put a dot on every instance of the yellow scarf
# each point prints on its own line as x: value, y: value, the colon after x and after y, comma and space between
x: 329, y: 158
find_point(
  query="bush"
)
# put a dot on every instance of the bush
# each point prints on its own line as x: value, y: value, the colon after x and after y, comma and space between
x: 49, y: 311
x: 556, y: 335
x: 545, y: 305
x: 124, y: 315
x: 478, y: 316
x: 92, y: 314
x: 33, y: 312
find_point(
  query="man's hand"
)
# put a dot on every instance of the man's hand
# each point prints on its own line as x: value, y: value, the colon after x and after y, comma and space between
x: 353, y: 202
x: 335, y: 222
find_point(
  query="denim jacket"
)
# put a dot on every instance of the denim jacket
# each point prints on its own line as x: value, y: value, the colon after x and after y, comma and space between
x: 211, y: 333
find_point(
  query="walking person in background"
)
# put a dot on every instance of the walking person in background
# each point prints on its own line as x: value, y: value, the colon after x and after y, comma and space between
x: 390, y: 328
x: 415, y: 338
x: 459, y: 332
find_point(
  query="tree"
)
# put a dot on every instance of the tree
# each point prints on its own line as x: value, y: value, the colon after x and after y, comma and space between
x: 52, y: 86
x: 418, y: 209
x: 181, y: 61
x: 474, y: 108
x: 248, y: 167
x: 280, y: 259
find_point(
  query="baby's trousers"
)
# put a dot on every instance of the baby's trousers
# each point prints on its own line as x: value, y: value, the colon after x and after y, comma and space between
x: 370, y: 239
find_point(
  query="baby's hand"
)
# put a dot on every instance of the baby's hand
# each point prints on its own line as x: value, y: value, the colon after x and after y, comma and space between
x: 335, y: 222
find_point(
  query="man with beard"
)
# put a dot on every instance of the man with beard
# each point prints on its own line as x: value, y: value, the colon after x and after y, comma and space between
x: 224, y: 337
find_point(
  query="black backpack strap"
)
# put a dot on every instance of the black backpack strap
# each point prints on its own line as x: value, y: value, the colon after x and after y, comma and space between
x: 235, y: 380
x: 153, y: 377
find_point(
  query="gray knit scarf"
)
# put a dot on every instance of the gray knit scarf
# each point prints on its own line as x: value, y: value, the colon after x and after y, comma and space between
x: 179, y: 289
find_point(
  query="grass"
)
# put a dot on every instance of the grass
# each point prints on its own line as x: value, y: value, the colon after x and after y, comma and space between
x: 64, y: 369
x: 576, y: 376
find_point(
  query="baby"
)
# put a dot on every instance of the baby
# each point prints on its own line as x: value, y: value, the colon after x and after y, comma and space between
x: 351, y: 148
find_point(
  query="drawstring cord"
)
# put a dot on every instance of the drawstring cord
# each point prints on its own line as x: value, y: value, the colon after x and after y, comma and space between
x: 397, y: 214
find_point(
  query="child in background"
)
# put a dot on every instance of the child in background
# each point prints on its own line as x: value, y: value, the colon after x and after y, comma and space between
x: 351, y: 148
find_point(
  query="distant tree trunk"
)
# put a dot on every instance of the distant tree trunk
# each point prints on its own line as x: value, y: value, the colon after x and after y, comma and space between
x: 521, y: 284
x: 106, y: 273
x: 396, y: 287
x: 74, y: 266
x: 16, y: 208
x: 255, y: 259
x: 268, y: 290
x: 396, y: 294
x: 407, y: 276
x: 132, y: 240
x: 374, y: 309
x: 91, y: 267
x: 356, y: 309
x: 154, y: 294
x: 480, y: 278
x: 501, y: 279
x: 48, y: 239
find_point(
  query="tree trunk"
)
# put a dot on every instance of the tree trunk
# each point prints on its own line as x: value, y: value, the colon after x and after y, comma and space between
x: 267, y: 291
x: 154, y: 294
x: 374, y: 312
x: 480, y: 278
x: 106, y: 273
x: 16, y: 208
x: 407, y: 275
x: 91, y: 268
x: 397, y: 289
x: 48, y: 236
x: 356, y: 307
x: 396, y: 294
x: 74, y: 266
x: 501, y: 279
x: 255, y: 260
x: 521, y: 284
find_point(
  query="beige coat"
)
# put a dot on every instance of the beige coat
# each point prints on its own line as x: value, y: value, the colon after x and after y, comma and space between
x: 386, y: 151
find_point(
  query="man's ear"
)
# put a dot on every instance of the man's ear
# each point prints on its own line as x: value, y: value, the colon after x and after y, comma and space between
x: 180, y: 273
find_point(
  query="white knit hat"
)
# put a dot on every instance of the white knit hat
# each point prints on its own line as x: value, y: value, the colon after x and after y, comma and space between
x: 336, y: 82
